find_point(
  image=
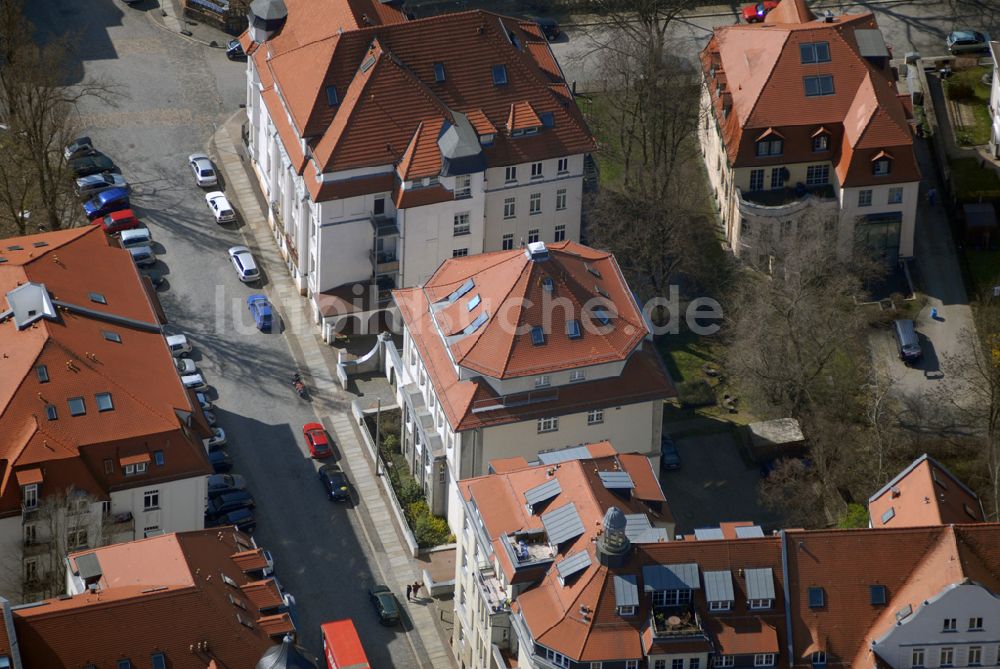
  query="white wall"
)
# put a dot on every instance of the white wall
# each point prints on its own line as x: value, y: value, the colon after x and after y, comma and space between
x: 428, y: 237
x: 342, y: 252
x: 182, y: 505
x: 849, y: 210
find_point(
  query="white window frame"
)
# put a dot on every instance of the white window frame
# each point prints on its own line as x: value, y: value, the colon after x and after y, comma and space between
x: 510, y: 207
x: 460, y: 253
x: 462, y: 224
x: 507, y: 242
x: 626, y: 610
x: 978, y: 660
x: 534, y: 235
x: 29, y: 496
x: 463, y: 186
x: 548, y: 425
x: 631, y: 664
x: 536, y: 171
x: 818, y: 658
x: 761, y: 604
x: 510, y: 174
x: 595, y: 417
x: 918, y: 657
x: 556, y: 658
x: 975, y: 624
x: 865, y: 197
x: 151, y: 495
x: 723, y: 661
x: 720, y: 606
x: 562, y: 166
x: 577, y: 375
x: 756, y: 178
x: 949, y: 625
x: 560, y: 234
x: 561, y: 199
x: 543, y: 381
x: 764, y: 659
x: 950, y: 662
x: 535, y: 204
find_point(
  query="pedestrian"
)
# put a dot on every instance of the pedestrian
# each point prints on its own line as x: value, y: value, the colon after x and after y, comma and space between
x: 932, y: 196
x: 409, y: 590
x: 416, y: 588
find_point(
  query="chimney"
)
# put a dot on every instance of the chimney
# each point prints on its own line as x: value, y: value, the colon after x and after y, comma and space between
x: 828, y: 17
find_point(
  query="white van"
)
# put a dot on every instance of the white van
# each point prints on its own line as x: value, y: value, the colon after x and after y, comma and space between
x: 136, y: 237
x: 178, y: 345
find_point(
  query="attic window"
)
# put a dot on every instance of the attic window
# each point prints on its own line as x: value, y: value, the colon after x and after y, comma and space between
x: 889, y: 514
x: 602, y: 316
x: 814, y: 52
x: 228, y: 581
x: 537, y: 336
x: 500, y: 75
x: 15, y: 247
x: 439, y: 72
x: 246, y: 622
x: 476, y: 324
x: 331, y: 96
x: 97, y: 297
x: 877, y: 593
x: 548, y: 284
x: 593, y: 270
x: 600, y: 291
x: 882, y: 167
x: 548, y: 119
x: 159, y: 661
x: 104, y: 402
x: 112, y: 336
x: 937, y: 479
x: 77, y: 406
x: 817, y: 598
x: 819, y: 85
x: 237, y: 602
x: 573, y: 329
x: 473, y: 303
x: 43, y: 373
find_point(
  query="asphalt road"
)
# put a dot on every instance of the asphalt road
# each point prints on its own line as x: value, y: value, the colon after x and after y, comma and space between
x: 173, y: 92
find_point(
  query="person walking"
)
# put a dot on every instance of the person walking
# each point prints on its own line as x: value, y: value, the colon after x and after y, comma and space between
x: 409, y: 591
x: 416, y: 588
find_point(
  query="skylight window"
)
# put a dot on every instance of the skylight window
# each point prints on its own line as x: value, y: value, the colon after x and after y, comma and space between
x: 500, y: 75
x: 877, y: 593
x: 573, y: 329
x: 104, y: 402
x: 39, y: 245
x: 462, y: 290
x: 97, y: 297
x: 817, y: 598
x: 593, y: 270
x: 819, y: 85
x: 50, y: 412
x: 814, y: 52
x: 15, y: 247
x: 367, y: 65
x: 476, y: 324
x: 537, y: 336
x: 159, y: 661
x: 548, y: 119
x: 600, y: 291
x: 331, y: 96
x: 548, y: 284
x: 439, y: 72
x: 112, y: 336
x: 602, y: 316
x: 77, y: 407
x: 43, y: 373
x: 888, y: 515
x: 473, y: 303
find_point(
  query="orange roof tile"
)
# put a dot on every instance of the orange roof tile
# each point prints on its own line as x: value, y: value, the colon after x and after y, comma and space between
x: 522, y: 116
x: 422, y: 157
x: 276, y: 625
x: 250, y: 560
x: 925, y: 493
x: 263, y: 594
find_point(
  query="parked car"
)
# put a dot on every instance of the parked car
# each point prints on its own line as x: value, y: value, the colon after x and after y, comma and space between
x: 194, y: 381
x: 222, y: 483
x: 78, y: 147
x: 229, y: 501
x: 102, y: 204
x: 335, y: 482
x: 385, y: 604
x: 967, y: 41
x: 269, y: 559
x: 317, y: 440
x: 209, y: 418
x: 670, y: 457
x: 155, y: 277
x: 87, y: 187
x: 94, y: 163
x: 142, y: 256
x: 217, y: 440
x: 220, y: 461
x: 550, y: 28
x: 178, y: 345
x: 221, y: 209
x: 242, y: 518
x: 234, y: 50
x: 140, y: 236
x: 756, y: 12
x: 260, y: 310
x: 204, y: 171
x: 119, y: 221
x: 185, y: 366
x: 907, y: 342
x: 246, y: 266
x: 203, y: 401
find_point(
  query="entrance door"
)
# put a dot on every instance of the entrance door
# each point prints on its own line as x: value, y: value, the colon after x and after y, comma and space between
x: 879, y: 234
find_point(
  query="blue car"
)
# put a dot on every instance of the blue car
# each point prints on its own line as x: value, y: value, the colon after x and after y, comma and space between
x: 670, y: 457
x: 105, y: 202
x: 260, y: 309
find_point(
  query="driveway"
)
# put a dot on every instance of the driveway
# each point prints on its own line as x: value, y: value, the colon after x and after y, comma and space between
x: 175, y: 93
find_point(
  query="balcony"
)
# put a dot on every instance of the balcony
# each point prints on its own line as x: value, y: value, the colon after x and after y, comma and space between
x: 671, y: 622
x: 384, y: 226
x: 782, y: 202
x: 384, y: 262
x: 493, y: 591
x: 527, y: 549
x: 515, y: 400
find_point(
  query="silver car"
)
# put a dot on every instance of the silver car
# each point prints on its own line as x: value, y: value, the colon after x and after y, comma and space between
x: 194, y: 381
x: 221, y: 209
x: 87, y: 187
x: 142, y: 256
x: 244, y: 263
x: 967, y: 41
x: 204, y: 171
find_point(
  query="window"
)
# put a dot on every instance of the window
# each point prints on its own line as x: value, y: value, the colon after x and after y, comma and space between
x: 331, y: 96
x: 950, y: 625
x: 814, y: 52
x: 31, y: 570
x: 508, y: 207
x: 109, y: 466
x: 895, y: 195
x: 533, y: 235
x: 43, y: 373
x: 677, y: 663
x: 877, y: 594
x: 947, y: 657
x: 631, y: 664
x: 439, y: 72
x: 461, y: 224
x: 756, y: 180
x: 459, y: 253
x: 112, y: 336
x: 158, y: 458
x: 821, y: 84
x: 557, y: 659
x: 819, y: 658
x: 560, y: 235
x: 865, y: 198
x: 764, y: 660
x: 573, y: 329
x: 817, y: 598
x: 658, y: 664
x: 770, y: 147
x: 535, y: 204
x: 817, y: 174
x: 563, y: 166
x: 510, y: 174
x: 104, y: 402
x: 378, y: 206
x: 821, y: 142
x: 536, y: 171
x: 463, y: 186
x: 724, y: 661
x: 881, y: 167
x: 50, y: 412
x: 759, y: 604
x: 500, y: 75
x: 577, y: 375
x: 150, y: 500
x: 77, y: 407
x: 542, y: 381
x: 151, y: 531
x: 694, y: 663
x: 561, y: 199
x: 917, y: 657
x: 777, y: 177
x: 975, y: 624
x: 548, y: 425
x: 671, y: 597
x: 98, y: 298
x: 720, y: 606
x: 508, y: 242
x: 76, y: 537
x: 29, y: 496
x: 975, y: 657
x: 595, y: 416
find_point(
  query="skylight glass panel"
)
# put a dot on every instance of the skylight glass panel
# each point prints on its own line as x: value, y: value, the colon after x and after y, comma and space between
x: 97, y: 297
x: 112, y: 336
x: 50, y: 412
x: 439, y: 72
x: 474, y: 302
x: 548, y: 284
x: 548, y: 119
x: 817, y: 598
x: 573, y: 329
x: 602, y: 316
x: 104, y: 402
x: 500, y: 74
x: 537, y: 336
x: 462, y: 290
x: 43, y: 373
x: 476, y: 324
x: 331, y: 96
x: 877, y: 594
x: 77, y: 407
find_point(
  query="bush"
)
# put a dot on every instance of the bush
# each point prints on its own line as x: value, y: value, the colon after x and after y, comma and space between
x: 409, y: 492
x: 959, y: 90
x: 695, y: 393
x: 856, y: 515
x: 431, y: 531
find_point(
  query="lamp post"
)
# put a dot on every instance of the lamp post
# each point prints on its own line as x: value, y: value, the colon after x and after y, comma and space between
x: 378, y: 436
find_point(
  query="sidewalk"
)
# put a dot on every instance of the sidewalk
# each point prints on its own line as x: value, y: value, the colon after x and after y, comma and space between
x: 332, y: 404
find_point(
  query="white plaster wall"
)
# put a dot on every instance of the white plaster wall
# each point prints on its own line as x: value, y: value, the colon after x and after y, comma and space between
x: 428, y: 234
x: 849, y: 210
x: 182, y: 505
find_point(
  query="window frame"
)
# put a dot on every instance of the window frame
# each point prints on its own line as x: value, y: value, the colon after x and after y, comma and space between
x: 814, y: 52
x: 509, y: 208
x: 764, y: 659
x: 595, y: 417
x: 814, y: 85
x: 537, y: 170
x: 462, y: 224
x: 508, y: 237
x: 534, y: 204
x: 82, y: 406
x: 865, y: 197
x: 561, y: 199
x: 100, y: 398
x: 151, y: 495
x: 562, y: 167
x: 548, y: 424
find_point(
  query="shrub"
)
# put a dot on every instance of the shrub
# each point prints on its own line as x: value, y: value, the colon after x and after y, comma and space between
x: 959, y: 90
x: 409, y: 492
x: 856, y: 515
x: 695, y: 393
x: 415, y: 510
x: 430, y: 531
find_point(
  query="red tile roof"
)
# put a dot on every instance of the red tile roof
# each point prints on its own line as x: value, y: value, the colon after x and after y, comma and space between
x: 169, y: 592
x: 96, y: 290
x: 925, y: 493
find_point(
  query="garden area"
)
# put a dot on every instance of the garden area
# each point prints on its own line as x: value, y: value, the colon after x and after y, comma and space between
x: 429, y: 530
x: 970, y: 96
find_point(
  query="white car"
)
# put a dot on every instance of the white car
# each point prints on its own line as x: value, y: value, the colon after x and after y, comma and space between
x: 185, y: 366
x: 218, y: 438
x: 194, y: 381
x: 178, y: 345
x: 246, y: 266
x: 204, y: 171
x: 221, y: 209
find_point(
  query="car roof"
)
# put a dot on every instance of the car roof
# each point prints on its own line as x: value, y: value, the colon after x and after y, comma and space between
x: 312, y: 426
x: 140, y: 250
x: 964, y: 34
x: 122, y: 214
x: 178, y: 338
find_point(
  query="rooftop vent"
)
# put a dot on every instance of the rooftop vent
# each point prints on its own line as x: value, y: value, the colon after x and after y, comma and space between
x: 537, y: 251
x: 30, y: 302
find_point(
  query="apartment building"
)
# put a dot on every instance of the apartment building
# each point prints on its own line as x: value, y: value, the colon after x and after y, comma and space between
x: 513, y: 353
x: 804, y: 130
x: 101, y: 441
x: 385, y: 146
x: 187, y: 600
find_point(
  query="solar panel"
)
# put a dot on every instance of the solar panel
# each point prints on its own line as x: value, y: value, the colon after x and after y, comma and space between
x: 749, y: 532
x: 543, y: 492
x: 572, y: 564
x: 760, y: 583
x: 616, y: 480
x: 719, y: 586
x: 626, y: 590
x: 671, y: 577
x: 708, y: 533
x: 473, y: 303
x: 562, y: 524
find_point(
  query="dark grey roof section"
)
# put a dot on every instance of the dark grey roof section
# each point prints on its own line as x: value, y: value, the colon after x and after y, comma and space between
x: 562, y: 524
x: 749, y: 532
x: 760, y: 583
x: 269, y: 10
x: 626, y: 590
x: 109, y: 317
x: 461, y: 152
x: 616, y: 480
x: 88, y: 566
x: 671, y: 577
x: 572, y: 564
x: 639, y: 530
x: 543, y: 492
x: 564, y: 455
x: 708, y: 533
x: 719, y: 586
x: 871, y: 44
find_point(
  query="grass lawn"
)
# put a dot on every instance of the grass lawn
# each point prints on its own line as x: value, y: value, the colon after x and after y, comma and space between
x: 971, y: 181
x: 594, y: 107
x: 977, y: 105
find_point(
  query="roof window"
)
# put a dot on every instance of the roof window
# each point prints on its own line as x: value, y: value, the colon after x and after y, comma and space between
x: 50, y: 412
x: 548, y: 284
x: 124, y: 664
x: 476, y: 324
x: 814, y: 52
x: 331, y: 96
x: 15, y: 247
x: 43, y: 373
x: 474, y: 302
x: 877, y: 593
x: 104, y: 402
x: 367, y: 64
x: 819, y: 85
x: 889, y: 514
x: 112, y: 336
x: 600, y: 291
x: 817, y: 598
x: 537, y: 336
x: 159, y: 661
x: 602, y: 316
x: 468, y: 285
x: 573, y: 329
x: 500, y: 75
x: 77, y: 407
x: 439, y: 72
x: 97, y: 297
x: 593, y: 270
x: 548, y: 119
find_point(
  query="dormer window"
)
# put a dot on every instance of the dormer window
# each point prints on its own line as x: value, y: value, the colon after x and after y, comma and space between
x: 626, y: 610
x: 770, y: 146
x: 821, y: 140
x: 882, y: 165
x: 332, y: 99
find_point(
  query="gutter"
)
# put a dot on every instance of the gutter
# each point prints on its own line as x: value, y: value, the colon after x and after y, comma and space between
x: 788, y: 602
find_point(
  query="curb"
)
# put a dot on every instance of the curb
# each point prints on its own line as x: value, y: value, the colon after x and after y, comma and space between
x: 152, y: 17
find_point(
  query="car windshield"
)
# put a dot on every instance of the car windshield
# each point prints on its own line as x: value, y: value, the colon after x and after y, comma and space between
x: 387, y: 601
x: 205, y: 172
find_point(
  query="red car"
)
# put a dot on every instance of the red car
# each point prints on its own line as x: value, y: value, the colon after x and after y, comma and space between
x: 319, y: 443
x: 757, y: 12
x: 117, y: 221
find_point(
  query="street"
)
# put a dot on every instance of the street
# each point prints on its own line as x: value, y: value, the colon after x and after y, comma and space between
x: 174, y: 92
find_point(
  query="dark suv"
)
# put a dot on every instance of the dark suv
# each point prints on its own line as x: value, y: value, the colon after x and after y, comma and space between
x: 229, y: 501
x: 219, y: 484
x: 242, y: 518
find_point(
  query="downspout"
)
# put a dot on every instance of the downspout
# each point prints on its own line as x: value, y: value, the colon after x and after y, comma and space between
x: 788, y: 601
